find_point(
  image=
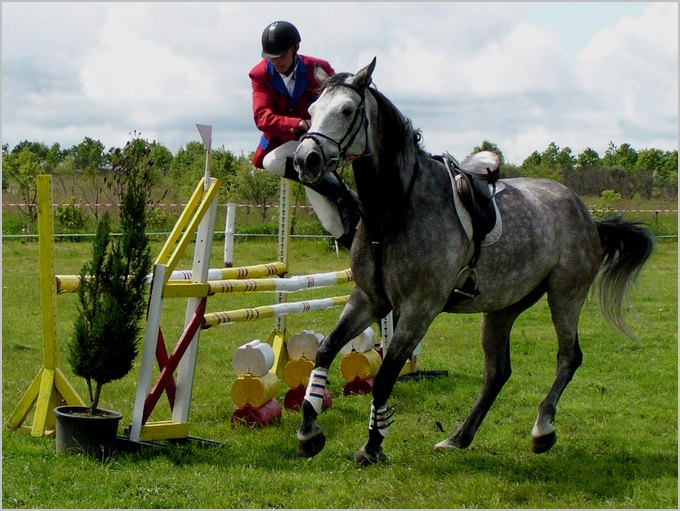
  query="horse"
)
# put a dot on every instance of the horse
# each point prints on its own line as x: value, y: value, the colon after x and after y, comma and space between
x: 411, y: 248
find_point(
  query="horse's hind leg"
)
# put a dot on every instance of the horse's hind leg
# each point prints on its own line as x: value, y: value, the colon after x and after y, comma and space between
x: 496, y: 328
x: 565, y: 314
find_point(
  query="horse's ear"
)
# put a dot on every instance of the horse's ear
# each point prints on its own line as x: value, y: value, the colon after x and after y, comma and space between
x: 363, y: 76
x: 320, y: 74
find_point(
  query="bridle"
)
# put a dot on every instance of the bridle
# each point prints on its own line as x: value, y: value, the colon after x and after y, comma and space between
x: 348, y: 138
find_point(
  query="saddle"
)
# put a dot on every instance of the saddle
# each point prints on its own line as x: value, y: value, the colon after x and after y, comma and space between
x: 474, y: 182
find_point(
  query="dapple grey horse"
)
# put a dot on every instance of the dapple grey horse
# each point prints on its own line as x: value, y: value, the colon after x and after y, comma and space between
x: 411, y: 248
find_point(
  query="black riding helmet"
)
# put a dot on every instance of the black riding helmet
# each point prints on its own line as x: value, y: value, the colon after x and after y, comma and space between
x: 278, y: 37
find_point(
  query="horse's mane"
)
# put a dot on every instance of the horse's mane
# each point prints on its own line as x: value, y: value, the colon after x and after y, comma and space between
x: 397, y: 166
x: 399, y: 153
x: 399, y: 136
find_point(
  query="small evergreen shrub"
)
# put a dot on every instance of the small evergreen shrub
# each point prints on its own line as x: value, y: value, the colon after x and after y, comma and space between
x: 111, y: 296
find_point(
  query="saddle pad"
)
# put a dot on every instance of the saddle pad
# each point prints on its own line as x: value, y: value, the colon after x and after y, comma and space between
x: 495, y: 233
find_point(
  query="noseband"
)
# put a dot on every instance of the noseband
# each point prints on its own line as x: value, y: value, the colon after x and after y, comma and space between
x: 348, y: 138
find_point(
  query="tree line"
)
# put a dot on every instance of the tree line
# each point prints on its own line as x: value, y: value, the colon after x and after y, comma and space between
x: 84, y: 169
x: 83, y: 172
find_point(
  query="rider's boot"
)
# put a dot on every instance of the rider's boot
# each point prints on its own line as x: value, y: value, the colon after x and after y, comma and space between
x: 344, y: 199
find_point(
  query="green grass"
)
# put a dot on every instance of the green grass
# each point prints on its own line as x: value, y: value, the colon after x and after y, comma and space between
x: 250, y: 220
x: 616, y: 424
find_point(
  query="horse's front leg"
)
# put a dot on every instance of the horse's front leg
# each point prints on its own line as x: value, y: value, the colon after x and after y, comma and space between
x: 357, y: 315
x: 408, y: 333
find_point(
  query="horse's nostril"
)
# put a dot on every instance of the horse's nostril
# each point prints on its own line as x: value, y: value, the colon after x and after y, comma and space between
x: 313, y: 160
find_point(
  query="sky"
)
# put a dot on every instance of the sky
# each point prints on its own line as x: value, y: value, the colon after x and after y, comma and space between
x: 518, y: 74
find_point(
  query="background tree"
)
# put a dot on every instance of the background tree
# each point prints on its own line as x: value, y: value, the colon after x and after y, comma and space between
x: 588, y: 158
x: 553, y: 163
x: 187, y: 167
x: 22, y: 165
x: 136, y: 154
x: 586, y: 177
x: 162, y: 160
x: 623, y: 156
x: 86, y: 168
x: 255, y: 186
x: 661, y: 167
x: 531, y: 166
x: 667, y: 174
x: 5, y: 155
x: 224, y: 166
x: 628, y: 179
x: 89, y: 157
x: 90, y: 161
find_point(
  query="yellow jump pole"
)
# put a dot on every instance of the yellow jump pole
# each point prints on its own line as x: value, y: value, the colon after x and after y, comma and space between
x: 50, y: 387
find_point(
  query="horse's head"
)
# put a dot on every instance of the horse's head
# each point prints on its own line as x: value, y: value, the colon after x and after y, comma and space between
x: 339, y: 128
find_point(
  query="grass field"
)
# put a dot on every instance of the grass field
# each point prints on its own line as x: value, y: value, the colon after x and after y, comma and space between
x: 616, y: 424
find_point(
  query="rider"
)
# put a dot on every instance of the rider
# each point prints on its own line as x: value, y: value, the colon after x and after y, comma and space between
x: 283, y: 89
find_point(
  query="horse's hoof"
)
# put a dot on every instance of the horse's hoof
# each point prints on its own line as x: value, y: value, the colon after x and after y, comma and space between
x: 457, y: 441
x: 543, y: 443
x: 446, y: 445
x: 312, y: 446
x: 364, y: 458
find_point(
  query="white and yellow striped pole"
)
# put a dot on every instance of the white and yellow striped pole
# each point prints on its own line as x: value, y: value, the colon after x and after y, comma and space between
x: 271, y: 311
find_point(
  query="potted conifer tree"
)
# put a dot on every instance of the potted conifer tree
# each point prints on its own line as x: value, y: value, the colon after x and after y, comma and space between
x: 111, y: 304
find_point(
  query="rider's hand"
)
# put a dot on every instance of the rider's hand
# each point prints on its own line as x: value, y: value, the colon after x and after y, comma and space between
x: 304, y: 125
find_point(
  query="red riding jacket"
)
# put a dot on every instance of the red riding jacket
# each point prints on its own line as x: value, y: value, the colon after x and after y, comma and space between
x: 277, y: 115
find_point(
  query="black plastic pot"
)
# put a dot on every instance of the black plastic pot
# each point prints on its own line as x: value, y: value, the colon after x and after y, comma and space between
x: 78, y: 430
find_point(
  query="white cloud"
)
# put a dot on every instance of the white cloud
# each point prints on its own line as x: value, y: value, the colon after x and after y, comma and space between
x: 632, y: 69
x: 463, y: 72
x: 530, y: 59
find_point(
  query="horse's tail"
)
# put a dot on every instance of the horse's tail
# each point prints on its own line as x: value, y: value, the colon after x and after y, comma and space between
x: 626, y: 248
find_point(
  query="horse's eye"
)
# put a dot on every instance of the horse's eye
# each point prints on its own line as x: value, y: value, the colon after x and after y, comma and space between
x: 348, y: 110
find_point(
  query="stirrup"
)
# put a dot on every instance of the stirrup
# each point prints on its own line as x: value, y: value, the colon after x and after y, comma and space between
x: 466, y: 282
